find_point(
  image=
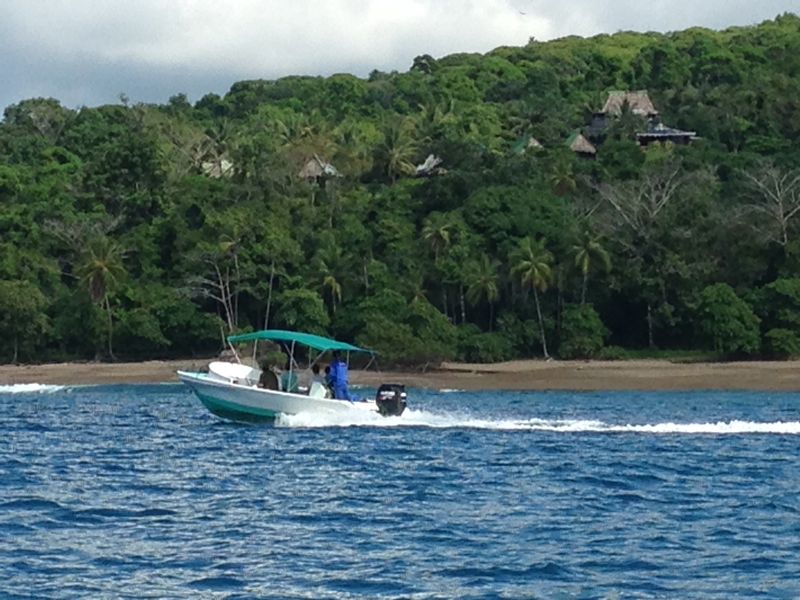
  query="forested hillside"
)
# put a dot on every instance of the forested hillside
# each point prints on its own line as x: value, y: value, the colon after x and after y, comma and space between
x: 144, y: 231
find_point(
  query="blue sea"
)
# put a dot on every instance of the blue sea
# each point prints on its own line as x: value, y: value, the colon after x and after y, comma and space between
x: 139, y: 492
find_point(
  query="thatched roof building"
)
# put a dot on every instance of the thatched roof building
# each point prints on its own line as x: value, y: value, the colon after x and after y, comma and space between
x: 316, y: 169
x: 525, y: 143
x: 217, y: 168
x: 639, y: 103
x: 580, y: 145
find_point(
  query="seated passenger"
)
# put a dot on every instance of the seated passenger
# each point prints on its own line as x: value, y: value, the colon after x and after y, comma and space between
x: 317, y: 386
x: 315, y: 375
x: 268, y: 379
x: 289, y: 381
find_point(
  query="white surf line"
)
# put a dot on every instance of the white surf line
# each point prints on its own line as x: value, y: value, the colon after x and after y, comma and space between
x: 412, y: 418
x: 30, y: 388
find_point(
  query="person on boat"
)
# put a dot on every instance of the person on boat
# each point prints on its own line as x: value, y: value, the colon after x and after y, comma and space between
x: 317, y: 384
x: 339, y: 378
x: 268, y: 378
x: 289, y: 381
x: 315, y: 375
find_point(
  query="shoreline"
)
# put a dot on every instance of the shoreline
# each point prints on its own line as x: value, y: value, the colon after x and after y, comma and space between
x: 534, y: 375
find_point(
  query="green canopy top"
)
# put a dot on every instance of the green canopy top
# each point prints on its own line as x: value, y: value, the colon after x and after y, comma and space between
x: 317, y: 342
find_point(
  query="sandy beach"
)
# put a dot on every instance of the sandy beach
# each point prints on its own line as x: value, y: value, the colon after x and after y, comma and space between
x: 512, y: 375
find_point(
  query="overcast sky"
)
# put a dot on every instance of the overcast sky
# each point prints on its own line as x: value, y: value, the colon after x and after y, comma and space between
x: 87, y: 52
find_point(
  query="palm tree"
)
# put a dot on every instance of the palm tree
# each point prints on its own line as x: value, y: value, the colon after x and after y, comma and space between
x: 532, y: 263
x: 436, y: 231
x: 398, y: 147
x: 434, y: 117
x: 355, y: 141
x: 562, y: 177
x: 482, y: 286
x: 588, y: 252
x: 229, y: 247
x: 331, y: 286
x: 334, y: 288
x: 100, y: 268
x: 416, y: 285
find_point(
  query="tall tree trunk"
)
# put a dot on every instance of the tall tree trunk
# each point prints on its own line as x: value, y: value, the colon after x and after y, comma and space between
x: 223, y: 339
x: 269, y: 294
x: 463, y: 304
x: 541, y: 322
x: 560, y: 298
x: 583, y: 287
x: 16, y: 350
x: 650, y: 341
x: 333, y: 201
x: 110, y: 329
x: 444, y: 301
x: 238, y: 285
x: 491, y: 315
x: 224, y: 297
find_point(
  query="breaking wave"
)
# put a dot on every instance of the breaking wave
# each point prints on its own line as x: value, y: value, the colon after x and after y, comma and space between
x: 30, y: 388
x: 420, y: 418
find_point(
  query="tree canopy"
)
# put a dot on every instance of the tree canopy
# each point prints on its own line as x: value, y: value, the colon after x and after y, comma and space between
x: 432, y: 225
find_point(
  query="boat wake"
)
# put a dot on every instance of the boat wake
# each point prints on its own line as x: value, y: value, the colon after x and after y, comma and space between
x: 418, y: 418
x: 30, y: 388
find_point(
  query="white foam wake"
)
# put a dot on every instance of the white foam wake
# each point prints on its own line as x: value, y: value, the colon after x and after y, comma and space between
x: 416, y: 418
x: 30, y: 388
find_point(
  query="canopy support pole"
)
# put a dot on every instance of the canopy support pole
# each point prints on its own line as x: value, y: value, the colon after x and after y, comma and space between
x: 235, y: 354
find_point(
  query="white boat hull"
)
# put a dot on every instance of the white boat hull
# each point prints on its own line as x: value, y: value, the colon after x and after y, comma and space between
x: 242, y: 402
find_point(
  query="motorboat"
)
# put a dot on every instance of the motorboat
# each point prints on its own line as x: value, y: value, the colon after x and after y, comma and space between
x: 236, y: 391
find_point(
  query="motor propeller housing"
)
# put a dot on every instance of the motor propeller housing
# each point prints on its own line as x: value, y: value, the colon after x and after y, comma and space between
x: 391, y: 399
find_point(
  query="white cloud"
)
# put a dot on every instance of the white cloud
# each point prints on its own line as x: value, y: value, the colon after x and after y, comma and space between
x: 272, y: 35
x: 75, y: 47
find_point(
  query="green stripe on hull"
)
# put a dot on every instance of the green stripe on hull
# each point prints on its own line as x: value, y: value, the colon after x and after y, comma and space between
x: 234, y: 412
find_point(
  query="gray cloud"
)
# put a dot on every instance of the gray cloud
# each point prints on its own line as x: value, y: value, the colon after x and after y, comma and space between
x: 89, y: 51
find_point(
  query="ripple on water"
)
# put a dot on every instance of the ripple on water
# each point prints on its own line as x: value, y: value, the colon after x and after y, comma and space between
x: 30, y: 504
x: 216, y: 583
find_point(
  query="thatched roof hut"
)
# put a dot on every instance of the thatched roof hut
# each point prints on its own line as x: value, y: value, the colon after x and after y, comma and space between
x: 217, y: 168
x: 639, y: 103
x: 580, y: 145
x: 317, y: 168
x: 525, y: 143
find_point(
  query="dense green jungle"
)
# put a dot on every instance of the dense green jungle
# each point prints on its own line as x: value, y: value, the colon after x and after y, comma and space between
x: 443, y: 213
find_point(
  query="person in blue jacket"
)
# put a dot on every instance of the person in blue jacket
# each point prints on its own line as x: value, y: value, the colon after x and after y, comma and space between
x: 338, y: 378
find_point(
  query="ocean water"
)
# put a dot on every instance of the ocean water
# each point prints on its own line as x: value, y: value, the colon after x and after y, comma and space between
x: 138, y: 492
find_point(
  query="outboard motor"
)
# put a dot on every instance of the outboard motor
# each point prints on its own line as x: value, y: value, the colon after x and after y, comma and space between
x: 391, y: 399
